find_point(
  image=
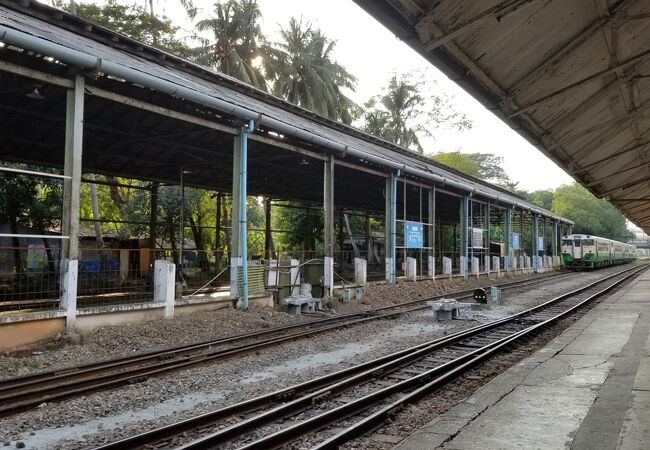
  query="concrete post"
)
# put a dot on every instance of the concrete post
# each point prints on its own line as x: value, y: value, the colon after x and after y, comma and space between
x: 71, y: 198
x: 235, y: 250
x: 360, y: 271
x: 411, y: 268
x: 69, y: 271
x: 164, y: 288
x: 446, y: 266
x: 431, y: 267
x: 328, y: 229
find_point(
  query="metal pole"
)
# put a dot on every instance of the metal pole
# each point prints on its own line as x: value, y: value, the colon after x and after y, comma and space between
x: 464, y: 235
x: 182, y: 229
x: 243, y: 230
x: 393, y: 227
x: 508, y: 239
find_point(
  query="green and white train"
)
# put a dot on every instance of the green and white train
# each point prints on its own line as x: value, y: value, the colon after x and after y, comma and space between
x: 585, y: 251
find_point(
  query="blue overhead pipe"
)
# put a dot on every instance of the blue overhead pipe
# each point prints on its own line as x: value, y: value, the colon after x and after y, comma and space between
x: 243, y: 228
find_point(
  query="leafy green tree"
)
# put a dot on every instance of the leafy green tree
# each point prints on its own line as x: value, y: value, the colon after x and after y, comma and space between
x: 302, y: 70
x: 404, y: 112
x: 237, y: 43
x: 486, y: 166
x: 590, y: 214
x: 133, y: 21
x: 459, y: 161
x: 542, y: 198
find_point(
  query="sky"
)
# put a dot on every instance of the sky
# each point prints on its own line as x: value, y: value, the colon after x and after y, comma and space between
x: 372, y: 53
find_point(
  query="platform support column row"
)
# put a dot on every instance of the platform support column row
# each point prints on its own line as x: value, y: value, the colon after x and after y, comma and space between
x: 71, y: 198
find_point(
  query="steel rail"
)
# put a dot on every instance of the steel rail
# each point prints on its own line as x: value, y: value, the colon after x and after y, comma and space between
x: 320, y: 387
x: 378, y: 418
x: 310, y: 425
x: 22, y: 393
x: 175, y: 351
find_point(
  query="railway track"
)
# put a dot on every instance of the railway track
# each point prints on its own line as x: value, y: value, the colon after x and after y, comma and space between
x: 343, y: 405
x: 23, y: 393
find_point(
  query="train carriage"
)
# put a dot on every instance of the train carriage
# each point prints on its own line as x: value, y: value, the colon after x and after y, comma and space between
x: 586, y: 251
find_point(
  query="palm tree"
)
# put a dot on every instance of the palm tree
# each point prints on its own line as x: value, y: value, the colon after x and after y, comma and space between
x: 238, y: 41
x: 303, y: 72
x: 404, y: 113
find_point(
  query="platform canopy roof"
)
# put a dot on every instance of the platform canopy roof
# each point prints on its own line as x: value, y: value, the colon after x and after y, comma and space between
x: 122, y: 74
x: 571, y: 76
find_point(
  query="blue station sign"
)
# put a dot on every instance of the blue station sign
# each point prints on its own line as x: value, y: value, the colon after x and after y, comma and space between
x: 414, y: 235
x: 516, y: 241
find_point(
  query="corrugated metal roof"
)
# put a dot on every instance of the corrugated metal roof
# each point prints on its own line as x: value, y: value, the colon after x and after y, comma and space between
x: 218, y: 86
x: 572, y: 77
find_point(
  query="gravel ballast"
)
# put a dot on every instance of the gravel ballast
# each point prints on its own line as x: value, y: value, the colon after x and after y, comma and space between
x: 106, y: 416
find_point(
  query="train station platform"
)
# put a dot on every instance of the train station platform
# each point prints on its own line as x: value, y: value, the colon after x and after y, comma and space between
x: 587, y: 389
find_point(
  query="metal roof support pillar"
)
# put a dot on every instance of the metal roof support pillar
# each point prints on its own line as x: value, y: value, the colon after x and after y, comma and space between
x: 535, y: 243
x: 390, y: 228
x: 235, y: 250
x: 508, y: 240
x: 488, y: 210
x: 432, y: 232
x: 570, y: 227
x: 556, y: 238
x: 71, y: 198
x: 328, y: 228
x: 464, y: 241
x: 243, y: 225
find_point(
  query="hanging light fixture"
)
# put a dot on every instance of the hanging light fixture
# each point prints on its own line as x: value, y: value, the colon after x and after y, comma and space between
x: 35, y: 93
x: 304, y: 162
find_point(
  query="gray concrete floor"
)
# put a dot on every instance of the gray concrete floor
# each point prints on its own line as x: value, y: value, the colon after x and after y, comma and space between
x: 587, y: 389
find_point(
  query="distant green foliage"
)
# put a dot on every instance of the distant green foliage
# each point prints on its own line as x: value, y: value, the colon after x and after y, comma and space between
x: 590, y: 214
x: 486, y: 166
x: 459, y: 161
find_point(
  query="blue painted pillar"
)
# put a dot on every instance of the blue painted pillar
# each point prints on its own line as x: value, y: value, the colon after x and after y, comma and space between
x: 391, y: 226
x: 243, y: 226
x: 464, y: 235
x: 535, y: 242
x: 508, y: 240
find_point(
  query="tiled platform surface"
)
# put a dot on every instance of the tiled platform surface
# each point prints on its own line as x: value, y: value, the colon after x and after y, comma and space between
x: 587, y: 389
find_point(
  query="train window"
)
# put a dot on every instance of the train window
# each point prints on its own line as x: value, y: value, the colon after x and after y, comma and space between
x: 567, y: 242
x: 576, y: 242
x: 588, y: 242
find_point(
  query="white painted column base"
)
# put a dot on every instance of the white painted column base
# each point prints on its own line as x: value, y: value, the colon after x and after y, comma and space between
x: 164, y: 285
x: 235, y: 264
x: 328, y: 274
x: 389, y: 269
x: 360, y: 271
x: 432, y: 268
x: 411, y: 268
x: 69, y: 276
